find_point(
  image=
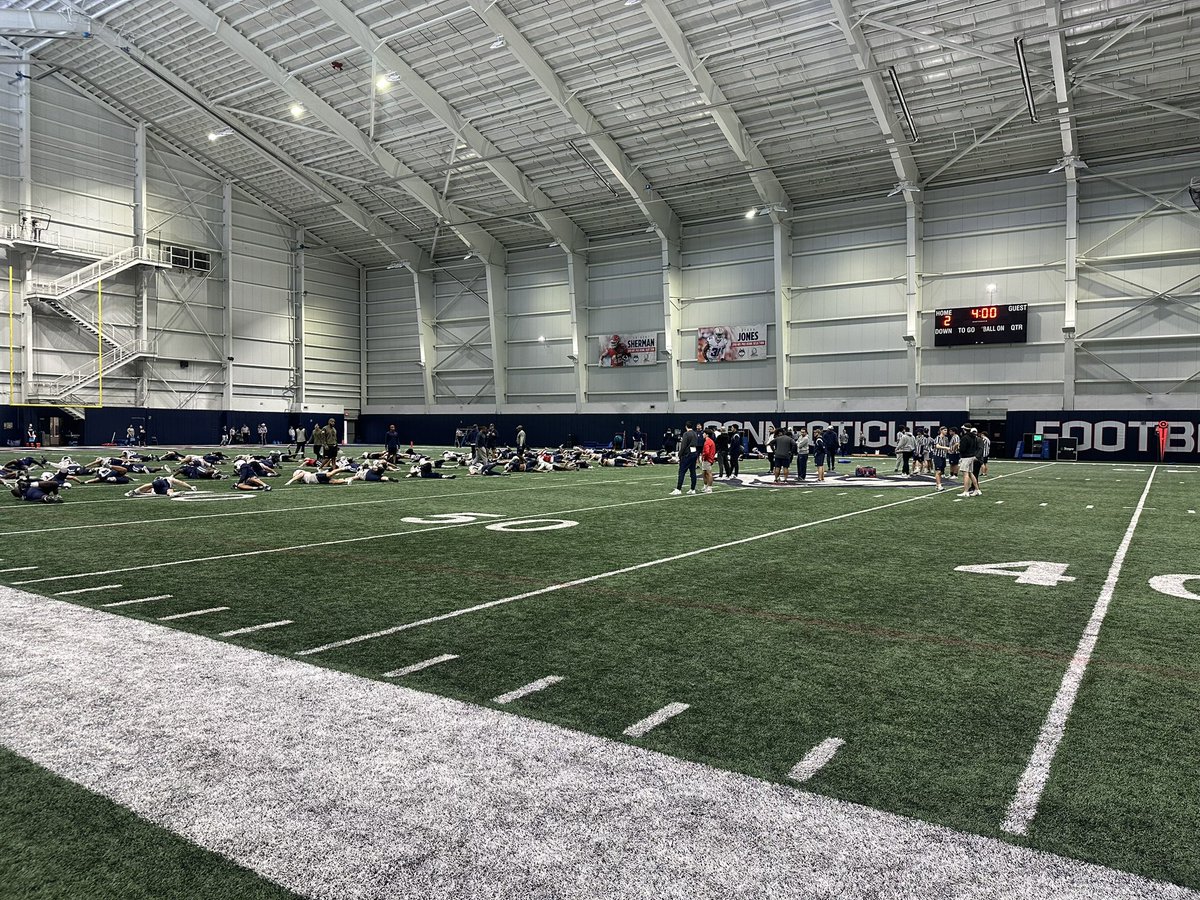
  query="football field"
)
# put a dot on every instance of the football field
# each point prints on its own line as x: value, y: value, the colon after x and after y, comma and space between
x: 1021, y: 665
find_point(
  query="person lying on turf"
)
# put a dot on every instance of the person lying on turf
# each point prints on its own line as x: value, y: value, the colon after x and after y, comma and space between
x: 37, y: 491
x: 162, y: 486
x: 375, y: 471
x: 302, y: 477
x: 425, y: 469
x: 248, y: 480
x: 110, y: 475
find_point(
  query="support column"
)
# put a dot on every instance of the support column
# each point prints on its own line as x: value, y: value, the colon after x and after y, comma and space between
x: 143, y: 273
x: 914, y: 222
x: 362, y: 337
x: 497, y: 288
x: 577, y: 286
x: 24, y: 269
x: 423, y: 291
x: 672, y: 291
x: 782, y: 263
x: 298, y: 294
x: 1070, y: 287
x: 227, y: 256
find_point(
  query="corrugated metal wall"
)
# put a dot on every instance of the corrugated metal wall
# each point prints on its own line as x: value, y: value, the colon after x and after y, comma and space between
x: 539, y: 329
x: 394, y: 376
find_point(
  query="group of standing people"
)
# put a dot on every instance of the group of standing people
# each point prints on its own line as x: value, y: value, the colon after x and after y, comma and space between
x: 784, y: 446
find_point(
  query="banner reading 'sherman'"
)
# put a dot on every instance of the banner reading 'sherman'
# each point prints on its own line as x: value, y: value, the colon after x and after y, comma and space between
x: 631, y: 350
x: 731, y: 343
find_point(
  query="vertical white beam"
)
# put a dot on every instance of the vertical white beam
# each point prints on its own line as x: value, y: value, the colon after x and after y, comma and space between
x: 914, y: 221
x: 423, y: 291
x: 227, y: 256
x: 1070, y: 287
x: 497, y: 290
x: 577, y: 286
x: 782, y: 263
x: 298, y: 293
x: 144, y: 273
x: 25, y: 166
x: 672, y: 293
x: 362, y: 337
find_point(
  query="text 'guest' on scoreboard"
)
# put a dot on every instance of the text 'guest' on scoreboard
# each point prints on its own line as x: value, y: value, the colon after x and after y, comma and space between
x: 1004, y: 323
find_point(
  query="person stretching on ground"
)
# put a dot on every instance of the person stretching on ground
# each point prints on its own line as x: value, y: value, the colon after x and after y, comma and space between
x: 163, y: 486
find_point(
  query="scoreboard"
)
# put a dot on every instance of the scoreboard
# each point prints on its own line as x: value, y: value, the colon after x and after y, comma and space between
x: 991, y: 324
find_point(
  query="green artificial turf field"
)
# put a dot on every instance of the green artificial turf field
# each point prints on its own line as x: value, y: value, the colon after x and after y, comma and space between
x: 782, y: 618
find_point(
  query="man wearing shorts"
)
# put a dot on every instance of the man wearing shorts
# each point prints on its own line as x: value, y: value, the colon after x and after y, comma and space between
x: 968, y: 445
x: 708, y: 455
x: 785, y: 449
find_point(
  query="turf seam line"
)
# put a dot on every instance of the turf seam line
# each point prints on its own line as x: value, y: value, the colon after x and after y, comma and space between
x: 353, y: 540
x: 263, y: 627
x: 194, y: 612
x: 88, y: 590
x: 643, y: 565
x: 652, y: 721
x: 1033, y: 780
x: 417, y: 667
x: 139, y: 600
x: 815, y: 759
x: 525, y: 690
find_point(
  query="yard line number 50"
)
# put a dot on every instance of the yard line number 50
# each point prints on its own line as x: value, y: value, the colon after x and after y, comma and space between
x: 1049, y: 574
x: 466, y: 518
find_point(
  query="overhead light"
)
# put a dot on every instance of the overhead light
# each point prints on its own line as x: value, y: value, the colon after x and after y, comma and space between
x: 912, y: 126
x: 751, y: 213
x: 1024, y: 67
x: 219, y: 133
x: 633, y: 2
x: 991, y: 288
x: 297, y: 111
x: 766, y: 210
x: 904, y: 187
x: 385, y: 81
x: 498, y: 43
x: 1071, y: 161
x: 469, y: 255
x: 541, y: 339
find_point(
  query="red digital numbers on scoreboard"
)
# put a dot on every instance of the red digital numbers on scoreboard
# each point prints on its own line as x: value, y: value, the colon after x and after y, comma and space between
x: 984, y: 313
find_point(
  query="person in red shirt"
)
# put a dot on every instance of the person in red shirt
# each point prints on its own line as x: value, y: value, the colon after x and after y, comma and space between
x: 708, y: 455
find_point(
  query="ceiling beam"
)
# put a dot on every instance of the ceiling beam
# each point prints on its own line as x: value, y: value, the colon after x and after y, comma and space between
x: 475, y: 237
x: 564, y: 231
x: 28, y: 23
x: 864, y: 59
x: 657, y: 211
x: 399, y: 246
x: 770, y: 191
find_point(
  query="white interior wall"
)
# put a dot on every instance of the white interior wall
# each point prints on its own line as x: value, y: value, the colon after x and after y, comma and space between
x: 394, y: 377
x: 332, y: 336
x: 462, y: 363
x: 539, y: 330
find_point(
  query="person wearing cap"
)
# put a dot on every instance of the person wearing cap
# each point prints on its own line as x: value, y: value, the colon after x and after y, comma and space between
x: 331, y: 442
x: 968, y: 446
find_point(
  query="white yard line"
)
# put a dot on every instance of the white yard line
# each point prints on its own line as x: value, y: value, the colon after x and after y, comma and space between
x: 623, y: 571
x: 139, y: 600
x: 670, y: 711
x: 263, y: 627
x: 354, y: 540
x: 1033, y: 780
x: 417, y: 667
x: 526, y: 689
x: 267, y: 769
x: 194, y: 612
x: 19, y: 569
x: 815, y: 759
x: 88, y: 590
x: 316, y: 507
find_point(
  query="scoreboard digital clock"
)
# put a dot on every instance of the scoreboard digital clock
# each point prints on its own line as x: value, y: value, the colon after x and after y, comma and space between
x: 991, y: 324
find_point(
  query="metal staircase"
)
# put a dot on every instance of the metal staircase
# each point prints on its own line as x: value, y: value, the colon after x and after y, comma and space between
x: 106, y: 334
x: 63, y: 391
x: 90, y: 275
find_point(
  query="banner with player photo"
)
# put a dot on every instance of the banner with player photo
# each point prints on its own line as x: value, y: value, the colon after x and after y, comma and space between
x: 731, y: 343
x: 640, y: 349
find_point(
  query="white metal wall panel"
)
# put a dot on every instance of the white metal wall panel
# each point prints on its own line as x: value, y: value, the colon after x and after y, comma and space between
x: 728, y: 280
x: 462, y: 371
x: 539, y: 328
x: 394, y: 376
x: 332, y: 363
x: 263, y: 315
x: 847, y: 312
x: 625, y: 294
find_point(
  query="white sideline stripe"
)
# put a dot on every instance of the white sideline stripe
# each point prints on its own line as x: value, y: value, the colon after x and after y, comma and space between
x: 670, y: 711
x: 417, y: 667
x: 1191, y: 512
x: 1089, y: 506
x: 644, y: 565
x: 815, y: 759
x: 354, y: 540
x: 194, y: 612
x: 263, y: 627
x: 488, y: 804
x: 1043, y: 504
x: 1033, y: 780
x: 525, y: 690
x: 102, y: 587
x: 19, y: 569
x: 139, y: 600
x: 315, y: 507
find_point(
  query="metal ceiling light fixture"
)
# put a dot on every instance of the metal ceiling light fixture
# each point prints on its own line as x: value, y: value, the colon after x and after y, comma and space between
x: 297, y: 111
x: 904, y: 187
x: 1019, y: 43
x: 219, y: 133
x: 1071, y: 161
x: 766, y: 210
x: 912, y: 126
x: 498, y: 43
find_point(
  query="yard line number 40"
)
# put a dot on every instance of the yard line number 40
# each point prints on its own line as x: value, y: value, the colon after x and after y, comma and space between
x: 1049, y: 574
x: 466, y: 518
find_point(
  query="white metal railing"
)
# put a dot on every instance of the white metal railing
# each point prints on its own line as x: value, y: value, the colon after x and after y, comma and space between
x: 102, y: 268
x: 10, y: 231
x: 62, y: 386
